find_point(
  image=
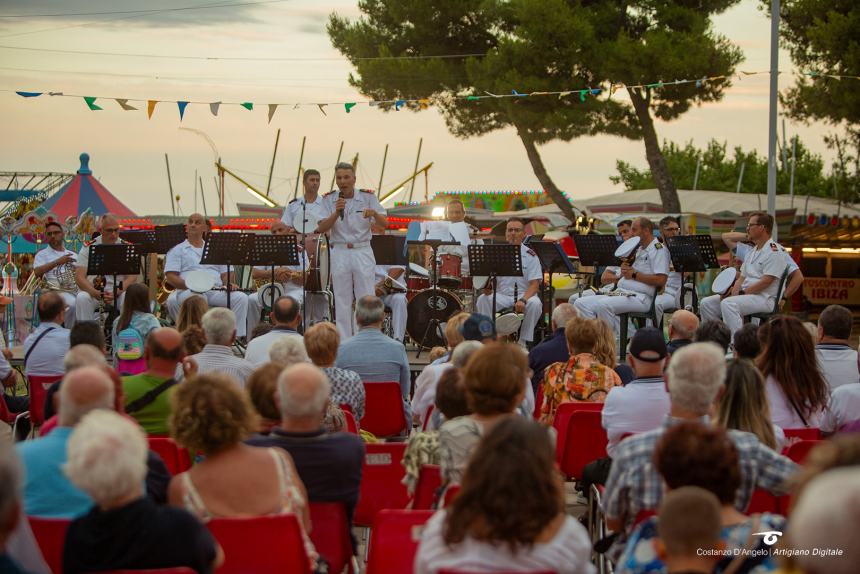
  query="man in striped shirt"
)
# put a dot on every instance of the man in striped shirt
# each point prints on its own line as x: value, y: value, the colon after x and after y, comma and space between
x: 219, y: 324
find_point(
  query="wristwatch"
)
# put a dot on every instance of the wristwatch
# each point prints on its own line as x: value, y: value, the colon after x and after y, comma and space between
x: 741, y: 292
x: 635, y: 273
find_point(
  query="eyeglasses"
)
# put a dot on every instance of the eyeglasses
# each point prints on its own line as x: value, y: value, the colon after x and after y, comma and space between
x: 673, y: 229
x: 753, y: 224
x: 50, y: 233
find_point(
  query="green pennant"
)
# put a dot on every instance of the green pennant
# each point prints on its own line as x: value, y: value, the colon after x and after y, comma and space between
x: 247, y: 105
x: 472, y: 98
x: 582, y: 95
x: 349, y: 106
x: 91, y: 103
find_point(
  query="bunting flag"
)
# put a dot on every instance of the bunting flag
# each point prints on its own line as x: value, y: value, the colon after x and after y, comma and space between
x: 150, y: 107
x: 272, y: 109
x: 398, y: 104
x: 123, y: 103
x: 213, y: 107
x: 29, y: 94
x: 55, y: 93
x: 423, y: 103
x: 348, y: 106
x: 181, y: 106
x: 247, y: 105
x: 91, y: 103
x: 322, y: 108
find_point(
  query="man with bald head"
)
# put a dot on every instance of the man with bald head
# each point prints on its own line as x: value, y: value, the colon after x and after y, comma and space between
x: 88, y: 296
x: 328, y: 464
x: 682, y: 329
x: 147, y: 395
x: 47, y: 491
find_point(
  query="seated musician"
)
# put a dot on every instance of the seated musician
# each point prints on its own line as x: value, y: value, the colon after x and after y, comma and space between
x: 184, y: 258
x: 639, y: 280
x: 519, y: 292
x: 670, y: 298
x: 757, y: 284
x: 52, y: 266
x: 611, y: 274
x: 455, y: 212
x: 87, y: 299
x: 394, y: 300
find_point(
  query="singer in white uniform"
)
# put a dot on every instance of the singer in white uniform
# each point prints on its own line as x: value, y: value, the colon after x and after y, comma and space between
x: 394, y: 301
x: 669, y: 299
x: 521, y: 292
x: 48, y: 260
x: 350, y: 215
x: 756, y: 286
x: 87, y: 299
x: 184, y: 258
x: 639, y: 281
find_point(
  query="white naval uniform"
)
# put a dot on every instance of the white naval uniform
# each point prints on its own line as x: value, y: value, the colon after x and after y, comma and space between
x: 294, y: 290
x: 669, y: 299
x: 394, y: 301
x: 316, y: 208
x: 462, y: 251
x: 49, y: 255
x: 651, y: 260
x: 505, y: 294
x: 352, y: 260
x: 184, y: 258
x: 769, y: 260
x: 85, y: 305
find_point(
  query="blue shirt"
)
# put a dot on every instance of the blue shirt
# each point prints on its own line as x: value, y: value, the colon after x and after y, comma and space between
x: 47, y: 490
x: 377, y: 358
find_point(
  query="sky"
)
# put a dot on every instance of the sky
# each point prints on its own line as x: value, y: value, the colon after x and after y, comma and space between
x: 128, y: 150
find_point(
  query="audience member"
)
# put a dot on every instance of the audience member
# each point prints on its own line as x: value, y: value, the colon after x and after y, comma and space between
x: 191, y: 313
x: 376, y: 357
x: 88, y: 333
x: 509, y: 514
x: 836, y: 452
x: 193, y: 340
x: 437, y: 353
x: 743, y: 404
x: 495, y: 379
x: 688, y: 531
x: 130, y: 329
x: 582, y: 378
x: 262, y: 387
x: 329, y: 465
x: 714, y: 332
x: 147, y: 395
x: 812, y: 329
x: 694, y: 379
x: 692, y: 454
x: 82, y: 355
x: 288, y: 351
x: 260, y: 330
x: 459, y: 358
x: 46, y: 346
x: 217, y: 356
x: 9, y: 379
x: 796, y: 391
x: 125, y: 530
x: 836, y: 358
x: 479, y: 328
x: 285, y: 316
x: 47, y: 490
x: 682, y: 329
x: 745, y: 343
x: 453, y: 336
x: 425, y: 383
x: 606, y: 353
x: 553, y: 349
x: 12, y: 519
x: 322, y: 341
x: 843, y: 412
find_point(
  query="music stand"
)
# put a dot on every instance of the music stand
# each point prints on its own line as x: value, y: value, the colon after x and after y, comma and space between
x: 552, y: 258
x: 227, y: 249
x: 438, y: 315
x: 389, y: 250
x: 113, y: 259
x: 596, y: 250
x: 272, y: 251
x: 692, y: 253
x: 497, y: 260
x: 168, y: 236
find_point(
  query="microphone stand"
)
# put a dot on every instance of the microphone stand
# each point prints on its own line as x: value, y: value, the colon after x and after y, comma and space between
x: 304, y: 276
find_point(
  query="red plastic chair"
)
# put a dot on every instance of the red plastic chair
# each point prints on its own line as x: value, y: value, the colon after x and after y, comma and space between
x: 562, y: 418
x: 803, y: 433
x: 330, y: 534
x: 175, y: 458
x: 799, y: 450
x: 429, y: 482
x: 351, y: 425
x: 450, y: 494
x: 383, y: 409
x: 50, y: 534
x: 584, y: 442
x: 427, y: 416
x: 538, y: 401
x: 381, y: 481
x: 763, y: 501
x: 394, y: 540
x: 177, y: 570
x: 39, y: 386
x: 262, y: 544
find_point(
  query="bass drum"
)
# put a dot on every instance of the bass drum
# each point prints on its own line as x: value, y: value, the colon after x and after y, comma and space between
x: 425, y: 307
x: 318, y: 278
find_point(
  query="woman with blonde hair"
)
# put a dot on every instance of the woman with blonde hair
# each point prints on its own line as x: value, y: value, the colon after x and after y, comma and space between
x: 191, y: 313
x: 606, y: 352
x: 743, y: 405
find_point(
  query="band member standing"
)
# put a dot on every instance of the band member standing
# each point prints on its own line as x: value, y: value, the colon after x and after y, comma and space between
x: 350, y: 215
x: 85, y: 304
x: 396, y: 301
x: 49, y: 261
x: 519, y: 292
x: 311, y: 204
x: 639, y: 281
x: 669, y: 299
x: 758, y: 282
x: 185, y: 257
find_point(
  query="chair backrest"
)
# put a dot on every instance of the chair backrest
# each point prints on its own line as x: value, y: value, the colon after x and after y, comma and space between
x: 394, y: 540
x: 351, y: 425
x: 427, y: 415
x: 585, y: 441
x: 429, y: 482
x: 562, y: 419
x: 381, y: 481
x: 383, y: 409
x: 777, y: 303
x: 330, y: 533
x: 538, y: 401
x: 50, y: 534
x: 175, y: 458
x: 450, y: 494
x: 798, y: 451
x: 803, y: 433
x: 38, y: 393
x: 262, y: 544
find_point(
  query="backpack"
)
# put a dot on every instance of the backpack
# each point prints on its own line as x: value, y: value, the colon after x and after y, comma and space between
x: 129, y: 344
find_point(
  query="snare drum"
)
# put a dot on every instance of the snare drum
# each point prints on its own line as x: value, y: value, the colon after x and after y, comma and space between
x: 450, y: 274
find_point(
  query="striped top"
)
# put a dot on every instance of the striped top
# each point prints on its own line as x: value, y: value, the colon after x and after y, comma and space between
x: 220, y: 359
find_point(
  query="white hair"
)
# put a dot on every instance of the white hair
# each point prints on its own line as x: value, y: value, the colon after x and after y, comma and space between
x: 10, y: 480
x: 219, y: 324
x: 695, y: 376
x: 83, y: 356
x: 288, y: 350
x: 369, y: 310
x: 107, y: 456
x: 463, y: 352
x: 562, y: 314
x: 827, y: 515
x: 296, y: 399
x: 71, y: 411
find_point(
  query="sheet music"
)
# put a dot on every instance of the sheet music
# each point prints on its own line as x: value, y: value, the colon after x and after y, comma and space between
x: 435, y: 230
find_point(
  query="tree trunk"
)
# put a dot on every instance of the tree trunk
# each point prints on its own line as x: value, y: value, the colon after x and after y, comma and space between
x: 656, y: 161
x: 543, y: 177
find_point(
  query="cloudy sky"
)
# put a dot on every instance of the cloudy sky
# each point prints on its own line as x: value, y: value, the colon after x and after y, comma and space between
x: 48, y: 134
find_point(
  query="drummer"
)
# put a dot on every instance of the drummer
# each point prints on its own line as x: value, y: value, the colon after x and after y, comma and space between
x: 349, y: 215
x: 519, y: 292
x: 758, y: 282
x: 310, y: 205
x: 88, y: 295
x: 185, y: 258
x: 48, y: 261
x: 455, y: 212
x: 639, y: 280
x: 394, y: 300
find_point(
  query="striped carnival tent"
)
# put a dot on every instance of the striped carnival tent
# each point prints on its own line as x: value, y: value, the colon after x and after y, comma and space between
x: 85, y: 191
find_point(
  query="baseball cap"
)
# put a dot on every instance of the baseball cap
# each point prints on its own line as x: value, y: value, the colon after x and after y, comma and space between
x: 477, y: 328
x: 648, y: 339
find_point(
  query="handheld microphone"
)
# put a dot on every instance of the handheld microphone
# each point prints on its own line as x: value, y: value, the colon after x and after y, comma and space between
x: 340, y: 211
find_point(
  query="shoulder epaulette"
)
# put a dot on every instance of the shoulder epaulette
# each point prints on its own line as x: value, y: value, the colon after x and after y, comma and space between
x: 658, y: 245
x: 370, y: 191
x: 774, y: 246
x: 530, y: 252
x: 329, y: 193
